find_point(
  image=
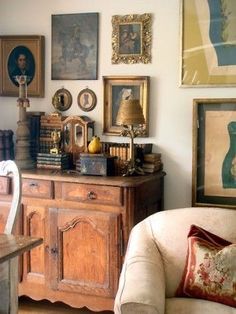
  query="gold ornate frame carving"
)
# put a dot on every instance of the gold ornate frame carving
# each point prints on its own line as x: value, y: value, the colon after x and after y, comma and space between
x: 131, y: 38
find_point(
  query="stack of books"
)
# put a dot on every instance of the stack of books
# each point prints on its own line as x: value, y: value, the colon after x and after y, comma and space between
x: 48, y: 124
x: 122, y: 152
x: 34, y: 118
x: 53, y: 161
x: 152, y: 162
x: 6, y: 145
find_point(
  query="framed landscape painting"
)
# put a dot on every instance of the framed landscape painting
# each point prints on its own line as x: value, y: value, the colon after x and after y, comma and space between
x: 74, y: 46
x: 214, y: 152
x: 208, y: 50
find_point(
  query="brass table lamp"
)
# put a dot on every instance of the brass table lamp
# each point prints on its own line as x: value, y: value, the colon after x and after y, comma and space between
x: 130, y: 116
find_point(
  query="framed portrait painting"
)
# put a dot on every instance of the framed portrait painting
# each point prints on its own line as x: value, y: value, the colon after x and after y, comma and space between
x: 214, y: 152
x: 22, y: 55
x: 208, y: 54
x: 74, y: 46
x: 131, y: 38
x: 117, y: 88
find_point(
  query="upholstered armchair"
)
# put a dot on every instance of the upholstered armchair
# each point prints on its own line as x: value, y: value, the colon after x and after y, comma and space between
x: 155, y: 262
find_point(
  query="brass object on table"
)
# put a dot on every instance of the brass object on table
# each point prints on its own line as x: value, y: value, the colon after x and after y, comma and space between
x: 56, y: 137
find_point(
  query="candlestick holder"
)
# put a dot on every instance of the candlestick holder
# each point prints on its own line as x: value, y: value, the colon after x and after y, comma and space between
x: 22, y: 156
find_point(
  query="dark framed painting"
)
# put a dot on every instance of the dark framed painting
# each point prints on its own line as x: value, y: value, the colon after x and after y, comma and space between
x: 22, y: 55
x: 131, y: 38
x: 117, y: 88
x: 75, y: 46
x: 214, y: 152
x: 208, y: 54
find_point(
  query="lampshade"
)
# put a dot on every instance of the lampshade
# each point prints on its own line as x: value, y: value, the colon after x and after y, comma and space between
x: 130, y: 113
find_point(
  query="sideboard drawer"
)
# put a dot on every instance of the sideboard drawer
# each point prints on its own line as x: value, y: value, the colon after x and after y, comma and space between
x: 37, y: 188
x: 110, y: 195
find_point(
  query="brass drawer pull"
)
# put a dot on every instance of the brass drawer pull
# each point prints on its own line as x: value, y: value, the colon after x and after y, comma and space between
x: 91, y: 195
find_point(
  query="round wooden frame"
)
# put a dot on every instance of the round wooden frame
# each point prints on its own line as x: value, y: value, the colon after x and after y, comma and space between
x: 87, y: 99
x: 62, y: 99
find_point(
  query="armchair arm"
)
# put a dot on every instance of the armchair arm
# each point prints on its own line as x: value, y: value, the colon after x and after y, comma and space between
x: 142, y: 281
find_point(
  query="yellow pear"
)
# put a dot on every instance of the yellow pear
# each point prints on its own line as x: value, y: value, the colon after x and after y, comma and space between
x: 95, y: 146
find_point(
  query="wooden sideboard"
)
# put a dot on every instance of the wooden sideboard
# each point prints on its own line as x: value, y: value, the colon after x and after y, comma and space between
x: 85, y: 222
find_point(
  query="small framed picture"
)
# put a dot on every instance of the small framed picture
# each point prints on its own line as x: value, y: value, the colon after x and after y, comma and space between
x: 214, y: 147
x: 22, y: 55
x: 87, y: 99
x: 117, y: 88
x: 62, y: 99
x: 131, y: 38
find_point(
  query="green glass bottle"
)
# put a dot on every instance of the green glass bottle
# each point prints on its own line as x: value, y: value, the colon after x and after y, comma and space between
x: 229, y: 163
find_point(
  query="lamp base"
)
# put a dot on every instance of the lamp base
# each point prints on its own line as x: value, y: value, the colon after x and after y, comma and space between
x: 134, y: 171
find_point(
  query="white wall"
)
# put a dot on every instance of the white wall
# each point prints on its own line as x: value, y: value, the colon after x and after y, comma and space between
x: 170, y: 105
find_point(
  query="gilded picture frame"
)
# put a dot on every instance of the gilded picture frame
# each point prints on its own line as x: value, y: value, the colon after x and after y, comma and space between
x: 117, y: 88
x: 131, y: 38
x: 22, y: 55
x: 208, y: 49
x: 214, y: 159
x: 75, y: 46
x: 62, y: 99
x: 86, y: 99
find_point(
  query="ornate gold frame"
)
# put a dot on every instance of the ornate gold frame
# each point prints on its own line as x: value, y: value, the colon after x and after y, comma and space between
x: 138, y: 44
x: 114, y: 87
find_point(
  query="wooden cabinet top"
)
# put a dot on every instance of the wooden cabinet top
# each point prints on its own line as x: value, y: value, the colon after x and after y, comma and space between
x: 70, y: 176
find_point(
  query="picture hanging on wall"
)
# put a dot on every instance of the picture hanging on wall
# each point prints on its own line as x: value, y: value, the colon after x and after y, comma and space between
x: 22, y: 55
x: 131, y: 38
x: 208, y: 55
x: 117, y: 88
x: 74, y: 46
x: 214, y: 147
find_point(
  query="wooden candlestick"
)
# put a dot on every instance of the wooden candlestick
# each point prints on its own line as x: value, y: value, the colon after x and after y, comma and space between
x: 23, y: 157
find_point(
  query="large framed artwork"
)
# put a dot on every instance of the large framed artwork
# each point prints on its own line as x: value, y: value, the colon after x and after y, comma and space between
x: 214, y: 152
x: 117, y: 88
x: 22, y: 55
x: 75, y: 46
x: 131, y: 38
x: 208, y: 54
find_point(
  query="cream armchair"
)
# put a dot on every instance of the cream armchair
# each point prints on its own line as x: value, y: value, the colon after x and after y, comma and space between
x: 155, y: 261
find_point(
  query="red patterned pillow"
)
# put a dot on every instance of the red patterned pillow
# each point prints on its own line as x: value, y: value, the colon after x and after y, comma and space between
x: 210, y: 269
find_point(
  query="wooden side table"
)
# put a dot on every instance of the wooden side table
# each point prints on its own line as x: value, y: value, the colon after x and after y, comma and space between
x: 10, y: 248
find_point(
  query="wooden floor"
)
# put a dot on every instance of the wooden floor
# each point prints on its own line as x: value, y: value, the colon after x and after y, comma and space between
x: 27, y: 306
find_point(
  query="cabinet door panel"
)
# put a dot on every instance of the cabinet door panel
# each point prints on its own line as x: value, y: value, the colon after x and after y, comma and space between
x: 86, y: 259
x: 4, y: 210
x: 34, y: 260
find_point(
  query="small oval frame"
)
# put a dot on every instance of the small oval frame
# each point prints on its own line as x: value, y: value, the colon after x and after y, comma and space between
x: 57, y: 102
x: 86, y: 99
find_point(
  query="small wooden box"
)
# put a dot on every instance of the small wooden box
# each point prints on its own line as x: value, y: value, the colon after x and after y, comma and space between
x: 97, y: 164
